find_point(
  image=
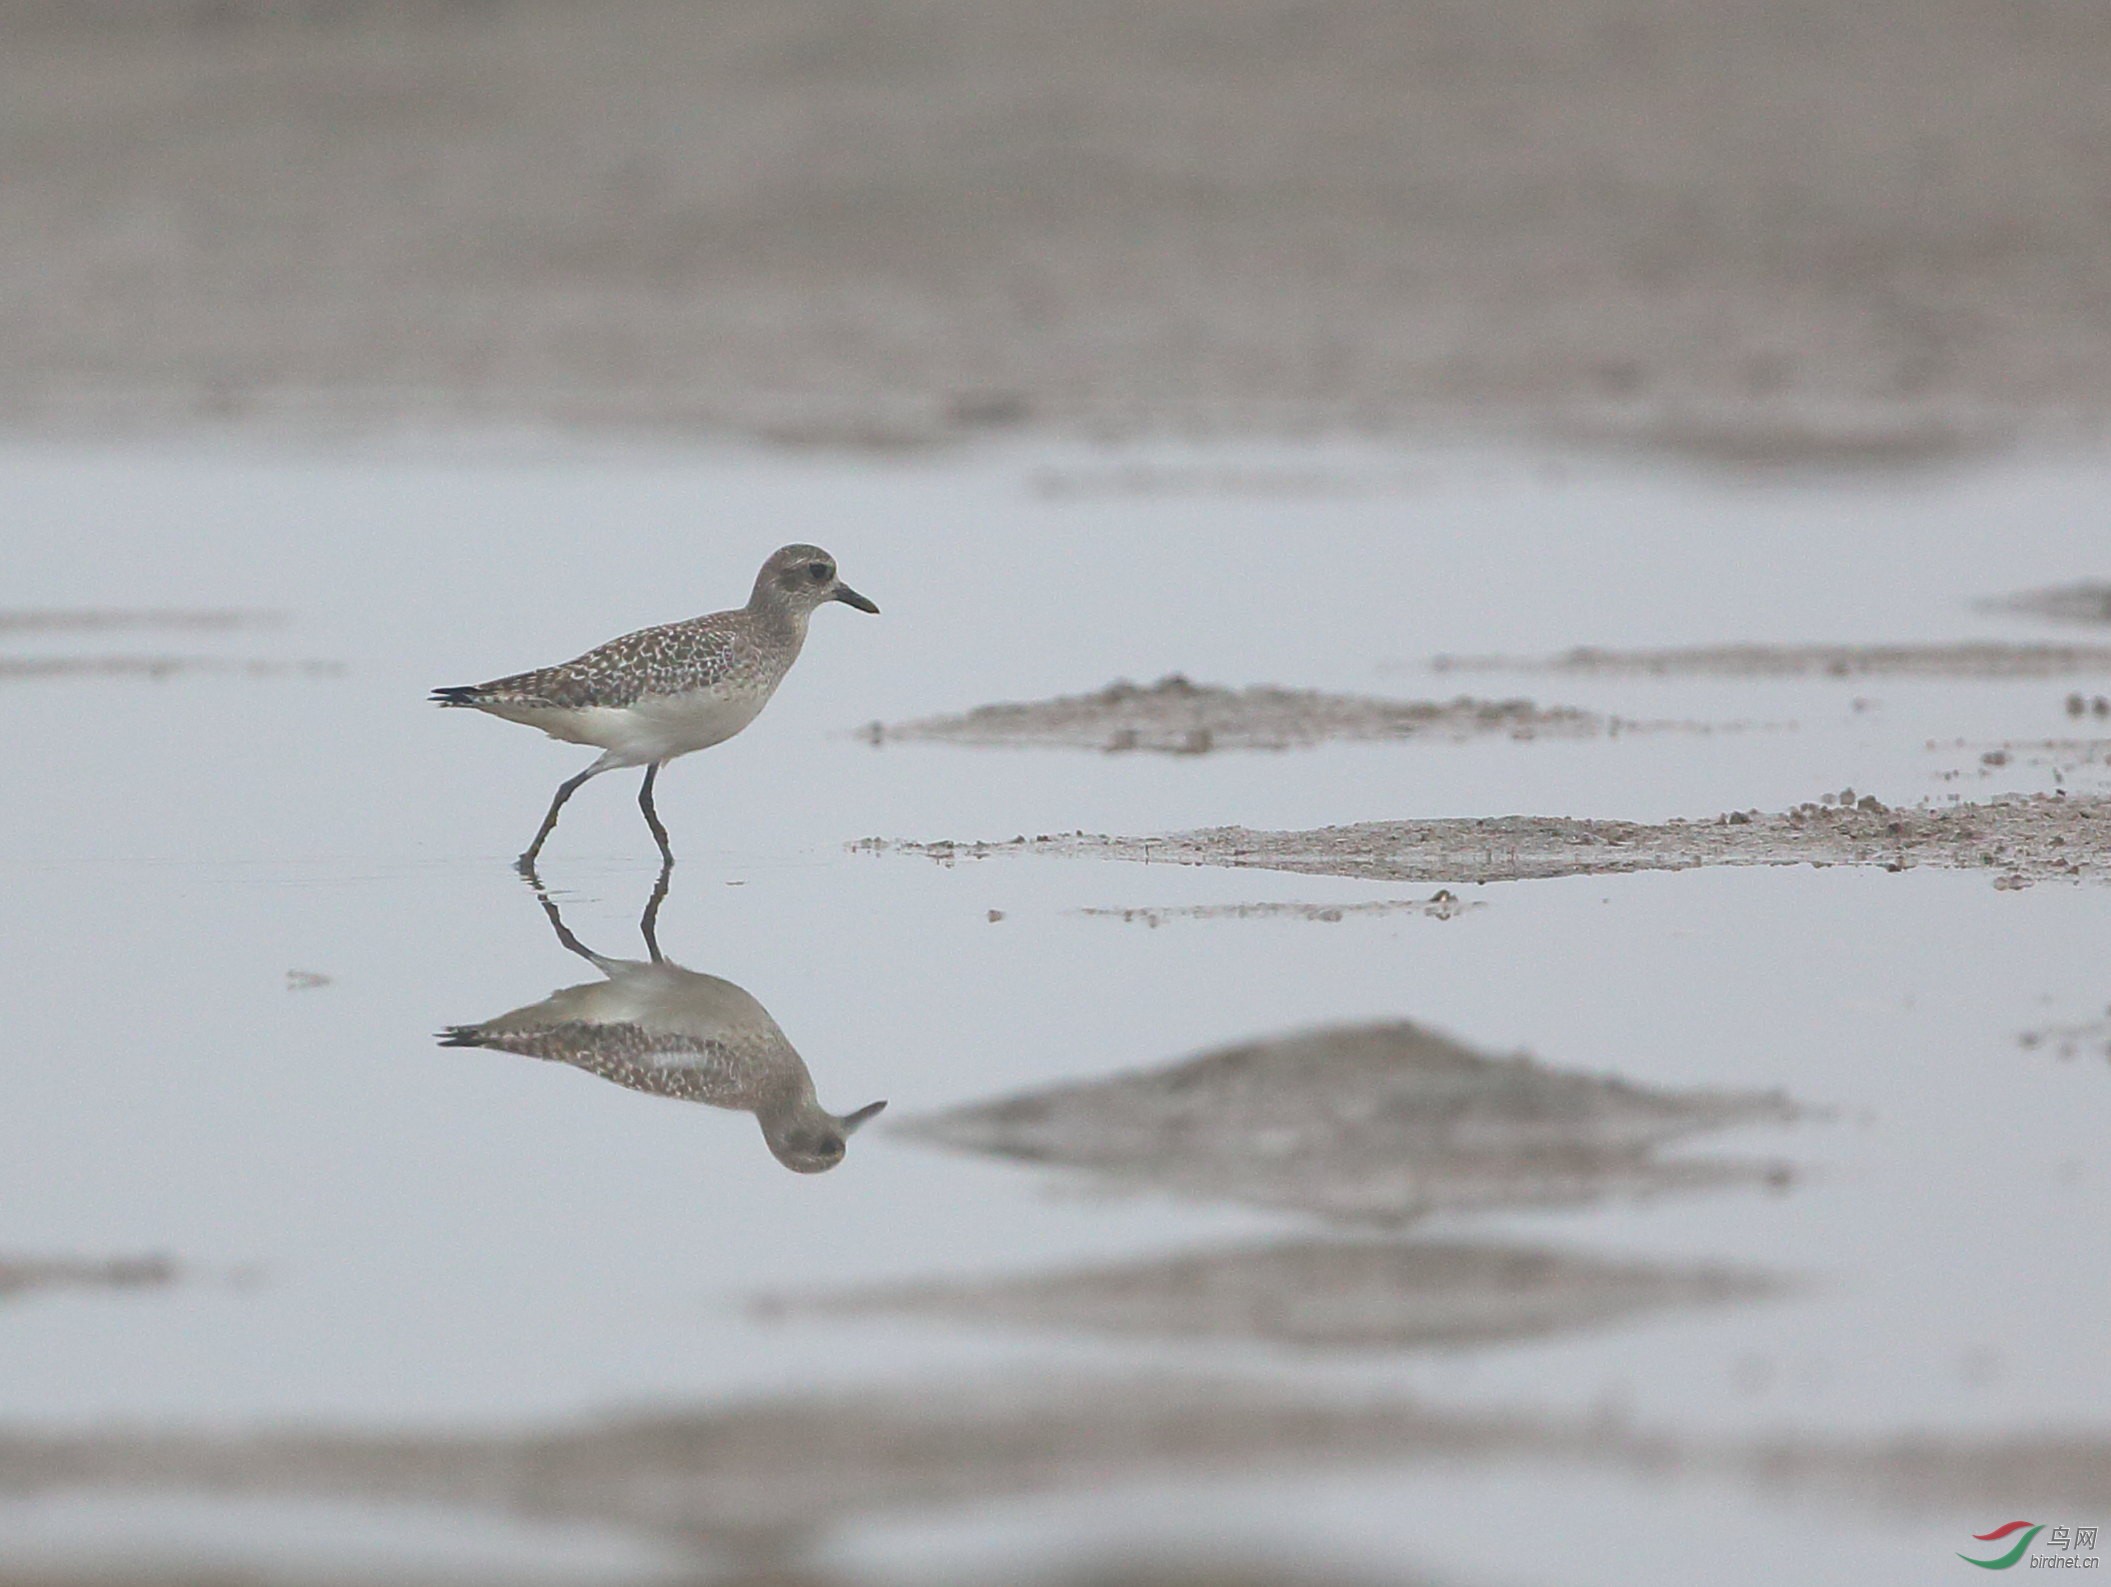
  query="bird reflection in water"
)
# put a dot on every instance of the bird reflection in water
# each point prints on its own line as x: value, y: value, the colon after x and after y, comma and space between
x: 653, y: 1026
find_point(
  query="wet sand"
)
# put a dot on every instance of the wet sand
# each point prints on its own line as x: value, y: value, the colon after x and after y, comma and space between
x: 1750, y: 230
x: 2019, y: 840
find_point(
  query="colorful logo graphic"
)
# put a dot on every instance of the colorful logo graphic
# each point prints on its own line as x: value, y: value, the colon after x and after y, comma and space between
x: 2068, y: 1545
x: 2013, y: 1555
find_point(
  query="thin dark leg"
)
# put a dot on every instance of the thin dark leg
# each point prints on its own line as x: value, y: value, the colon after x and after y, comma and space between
x: 652, y: 816
x: 565, y: 791
x: 649, y: 925
x: 549, y: 907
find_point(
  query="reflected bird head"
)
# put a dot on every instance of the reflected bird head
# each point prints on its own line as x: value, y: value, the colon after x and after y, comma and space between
x: 814, y: 1143
x: 802, y: 578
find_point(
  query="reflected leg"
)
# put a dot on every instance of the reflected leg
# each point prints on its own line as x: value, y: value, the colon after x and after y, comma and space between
x: 649, y: 924
x: 652, y: 816
x: 549, y: 908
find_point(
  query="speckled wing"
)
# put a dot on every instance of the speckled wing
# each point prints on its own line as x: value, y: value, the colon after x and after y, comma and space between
x: 661, y: 1063
x: 674, y: 658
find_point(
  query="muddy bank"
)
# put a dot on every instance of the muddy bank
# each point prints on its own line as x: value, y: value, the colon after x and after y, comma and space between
x: 1330, y: 1295
x: 1440, y: 905
x: 1176, y: 717
x: 1365, y: 1124
x: 155, y: 669
x: 63, y: 620
x: 2017, y: 841
x: 22, y: 1275
x: 1751, y: 230
x: 1971, y: 659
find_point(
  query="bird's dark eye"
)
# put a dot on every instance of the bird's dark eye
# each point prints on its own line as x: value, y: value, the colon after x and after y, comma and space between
x: 817, y: 571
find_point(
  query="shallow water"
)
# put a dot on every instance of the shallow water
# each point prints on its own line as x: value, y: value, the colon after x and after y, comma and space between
x: 380, y: 1232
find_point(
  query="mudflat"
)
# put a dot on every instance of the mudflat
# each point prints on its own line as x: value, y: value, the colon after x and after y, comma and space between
x: 1748, y: 229
x: 2019, y: 839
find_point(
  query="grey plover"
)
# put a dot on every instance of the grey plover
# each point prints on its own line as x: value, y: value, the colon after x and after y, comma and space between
x: 655, y: 1027
x: 661, y: 692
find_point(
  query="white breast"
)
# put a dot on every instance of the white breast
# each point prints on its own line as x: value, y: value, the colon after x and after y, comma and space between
x: 658, y: 727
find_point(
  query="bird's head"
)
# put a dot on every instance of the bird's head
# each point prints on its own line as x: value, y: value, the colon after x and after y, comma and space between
x: 815, y: 1142
x: 802, y: 578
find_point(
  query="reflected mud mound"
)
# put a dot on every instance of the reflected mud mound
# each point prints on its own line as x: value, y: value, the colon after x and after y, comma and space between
x: 762, y: 1479
x: 1184, y: 1571
x: 2017, y: 840
x: 1172, y: 1569
x: 1176, y: 717
x: 1367, y: 1124
x: 762, y: 1482
x: 1333, y: 1295
x: 1970, y: 659
x: 1925, y: 1471
x: 22, y: 1275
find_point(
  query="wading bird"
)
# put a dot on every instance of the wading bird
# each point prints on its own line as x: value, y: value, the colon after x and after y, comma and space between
x: 661, y: 692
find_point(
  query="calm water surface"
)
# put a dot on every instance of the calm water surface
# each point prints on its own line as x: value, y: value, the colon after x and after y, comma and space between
x: 239, y: 909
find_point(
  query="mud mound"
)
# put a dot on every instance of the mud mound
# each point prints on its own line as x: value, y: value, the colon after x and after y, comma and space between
x: 1323, y: 1294
x: 1176, y: 717
x: 1972, y: 659
x: 1367, y: 1124
x: 2018, y: 841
